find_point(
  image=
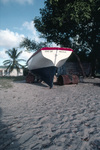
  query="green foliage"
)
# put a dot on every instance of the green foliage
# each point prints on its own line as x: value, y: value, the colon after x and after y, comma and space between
x: 62, y: 19
x: 32, y: 45
x: 6, y: 81
x: 13, y: 62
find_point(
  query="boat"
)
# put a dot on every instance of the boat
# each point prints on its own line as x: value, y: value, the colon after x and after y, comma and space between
x: 45, y: 62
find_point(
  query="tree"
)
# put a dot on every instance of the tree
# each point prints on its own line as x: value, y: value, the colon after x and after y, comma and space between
x: 28, y: 44
x: 31, y: 45
x: 61, y: 20
x: 13, y: 62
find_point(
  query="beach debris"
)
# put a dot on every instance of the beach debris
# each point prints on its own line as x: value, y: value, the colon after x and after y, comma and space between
x: 68, y: 79
x: 30, y: 78
x: 95, y: 145
x: 85, y: 139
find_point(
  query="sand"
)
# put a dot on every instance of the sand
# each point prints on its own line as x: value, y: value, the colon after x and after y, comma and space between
x: 34, y: 117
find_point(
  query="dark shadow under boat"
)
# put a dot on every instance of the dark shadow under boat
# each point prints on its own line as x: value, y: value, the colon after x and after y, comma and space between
x: 46, y: 74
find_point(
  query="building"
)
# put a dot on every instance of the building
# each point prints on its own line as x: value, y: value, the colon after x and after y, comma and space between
x: 3, y: 72
x: 70, y: 68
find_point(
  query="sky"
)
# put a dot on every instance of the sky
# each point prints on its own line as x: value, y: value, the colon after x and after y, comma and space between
x: 16, y: 23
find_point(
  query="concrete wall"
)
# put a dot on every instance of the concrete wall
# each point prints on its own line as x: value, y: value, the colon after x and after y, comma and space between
x: 13, y: 73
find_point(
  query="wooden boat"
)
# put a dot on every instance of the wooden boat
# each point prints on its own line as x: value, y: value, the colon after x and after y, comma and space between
x: 46, y: 60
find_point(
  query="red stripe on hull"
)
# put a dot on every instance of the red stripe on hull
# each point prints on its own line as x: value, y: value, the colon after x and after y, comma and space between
x: 51, y: 48
x: 56, y: 48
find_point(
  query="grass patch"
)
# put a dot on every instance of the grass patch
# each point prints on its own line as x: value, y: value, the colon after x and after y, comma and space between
x: 6, y: 82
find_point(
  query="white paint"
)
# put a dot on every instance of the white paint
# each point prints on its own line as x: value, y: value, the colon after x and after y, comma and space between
x: 47, y: 58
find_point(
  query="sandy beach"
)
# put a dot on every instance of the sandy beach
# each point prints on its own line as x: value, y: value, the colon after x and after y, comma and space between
x: 34, y: 117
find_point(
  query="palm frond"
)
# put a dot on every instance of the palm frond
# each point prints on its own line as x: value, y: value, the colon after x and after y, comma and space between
x: 6, y: 60
x: 13, y: 62
x: 21, y: 60
x: 17, y: 55
x: 9, y: 52
x: 9, y: 68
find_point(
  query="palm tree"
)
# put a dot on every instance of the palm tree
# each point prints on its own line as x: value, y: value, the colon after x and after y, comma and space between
x: 13, y: 62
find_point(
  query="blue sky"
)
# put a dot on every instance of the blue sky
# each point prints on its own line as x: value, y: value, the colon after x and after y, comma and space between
x: 16, y: 22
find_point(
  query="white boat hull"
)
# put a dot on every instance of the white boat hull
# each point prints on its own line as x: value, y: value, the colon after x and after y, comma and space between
x: 45, y: 61
x: 47, y: 57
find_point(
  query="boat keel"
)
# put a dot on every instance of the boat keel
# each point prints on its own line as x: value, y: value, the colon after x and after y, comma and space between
x: 46, y: 74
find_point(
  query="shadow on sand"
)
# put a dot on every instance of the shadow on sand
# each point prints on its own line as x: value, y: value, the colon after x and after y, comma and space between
x: 97, y: 84
x: 42, y: 84
x: 8, y: 140
x: 92, y: 82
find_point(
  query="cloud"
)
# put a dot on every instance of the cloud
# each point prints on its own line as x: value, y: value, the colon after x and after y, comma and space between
x: 24, y: 55
x: 18, y: 1
x: 33, y: 34
x: 3, y: 55
x: 9, y: 39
